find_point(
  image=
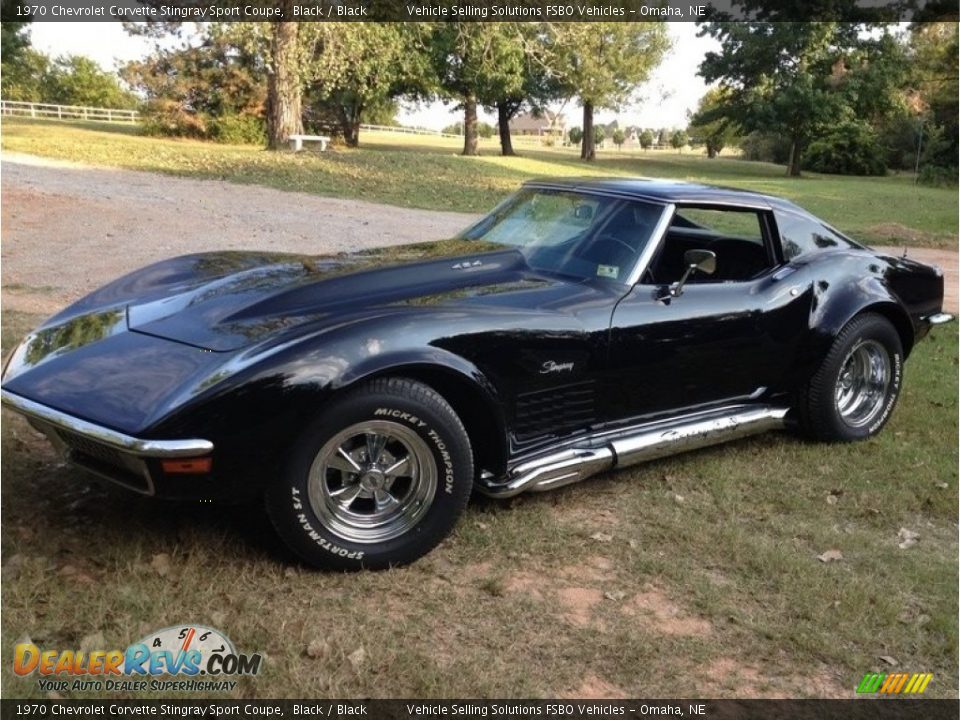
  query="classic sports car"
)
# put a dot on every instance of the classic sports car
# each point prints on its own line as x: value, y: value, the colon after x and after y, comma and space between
x: 581, y: 326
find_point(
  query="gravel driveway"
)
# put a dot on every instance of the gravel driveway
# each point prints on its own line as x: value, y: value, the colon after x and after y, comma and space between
x: 69, y: 228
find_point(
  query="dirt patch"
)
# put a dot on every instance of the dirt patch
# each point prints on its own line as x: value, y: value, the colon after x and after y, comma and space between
x: 524, y: 583
x: 578, y: 604
x: 726, y: 677
x: 595, y: 569
x: 665, y: 616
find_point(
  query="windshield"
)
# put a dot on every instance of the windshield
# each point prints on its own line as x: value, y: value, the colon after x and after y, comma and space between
x: 572, y: 233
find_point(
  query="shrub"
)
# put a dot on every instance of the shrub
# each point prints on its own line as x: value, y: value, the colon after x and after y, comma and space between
x: 851, y: 148
x: 938, y: 176
x: 235, y: 129
x: 167, y: 117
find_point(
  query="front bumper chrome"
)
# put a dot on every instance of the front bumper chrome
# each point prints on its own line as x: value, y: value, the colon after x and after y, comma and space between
x: 939, y: 318
x: 97, y: 433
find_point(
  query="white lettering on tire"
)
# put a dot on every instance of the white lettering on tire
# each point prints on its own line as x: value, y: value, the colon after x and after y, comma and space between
x: 315, y: 536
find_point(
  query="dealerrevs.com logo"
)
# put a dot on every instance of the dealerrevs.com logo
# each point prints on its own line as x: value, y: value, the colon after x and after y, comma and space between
x: 188, y: 657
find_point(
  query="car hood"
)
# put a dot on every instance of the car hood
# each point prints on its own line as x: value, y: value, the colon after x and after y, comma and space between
x: 226, y: 301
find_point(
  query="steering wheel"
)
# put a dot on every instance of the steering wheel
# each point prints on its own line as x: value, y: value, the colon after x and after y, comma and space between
x: 589, y: 252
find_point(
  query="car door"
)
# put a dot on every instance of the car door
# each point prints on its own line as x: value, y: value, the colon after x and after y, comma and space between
x: 725, y: 338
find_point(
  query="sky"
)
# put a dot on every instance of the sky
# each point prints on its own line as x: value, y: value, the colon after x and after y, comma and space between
x: 673, y: 90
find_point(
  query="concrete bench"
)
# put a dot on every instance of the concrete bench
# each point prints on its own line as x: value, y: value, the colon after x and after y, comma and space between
x: 297, y: 141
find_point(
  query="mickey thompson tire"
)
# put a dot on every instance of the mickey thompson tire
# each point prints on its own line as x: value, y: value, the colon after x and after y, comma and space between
x: 854, y: 391
x: 377, y: 480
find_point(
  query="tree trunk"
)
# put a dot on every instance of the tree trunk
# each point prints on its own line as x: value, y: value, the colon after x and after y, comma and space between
x: 470, y: 125
x: 503, y: 120
x: 350, y: 124
x: 588, y: 148
x: 283, y: 86
x: 793, y: 165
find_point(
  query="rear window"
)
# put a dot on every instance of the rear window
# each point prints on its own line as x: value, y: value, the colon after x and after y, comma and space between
x: 801, y: 236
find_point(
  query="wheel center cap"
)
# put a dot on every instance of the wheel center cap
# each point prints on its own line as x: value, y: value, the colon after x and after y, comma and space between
x: 372, y: 479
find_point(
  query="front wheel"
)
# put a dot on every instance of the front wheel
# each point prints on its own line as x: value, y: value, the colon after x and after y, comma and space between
x: 854, y: 391
x: 377, y: 481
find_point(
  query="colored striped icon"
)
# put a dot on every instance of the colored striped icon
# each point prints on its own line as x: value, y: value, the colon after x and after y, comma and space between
x: 894, y: 683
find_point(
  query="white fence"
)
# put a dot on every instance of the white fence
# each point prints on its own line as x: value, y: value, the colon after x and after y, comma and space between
x: 67, y: 112
x: 407, y: 130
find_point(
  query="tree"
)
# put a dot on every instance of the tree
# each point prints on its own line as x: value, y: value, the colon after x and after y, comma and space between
x: 216, y: 88
x: 475, y: 64
x: 284, y: 90
x: 799, y: 78
x: 679, y: 140
x: 646, y: 139
x: 13, y: 31
x: 538, y: 83
x: 575, y: 134
x: 603, y: 63
x: 78, y: 80
x: 708, y: 124
x: 599, y: 134
x: 618, y: 138
x: 26, y: 77
x: 932, y: 91
x: 359, y: 68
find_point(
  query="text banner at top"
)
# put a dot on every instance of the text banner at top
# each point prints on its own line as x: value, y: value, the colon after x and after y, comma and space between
x: 470, y: 10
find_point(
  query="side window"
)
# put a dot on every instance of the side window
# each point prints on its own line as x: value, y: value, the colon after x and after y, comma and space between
x: 801, y: 235
x: 726, y: 223
x: 736, y: 237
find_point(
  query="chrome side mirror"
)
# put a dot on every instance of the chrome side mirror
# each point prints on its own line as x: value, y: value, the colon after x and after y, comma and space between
x: 704, y: 261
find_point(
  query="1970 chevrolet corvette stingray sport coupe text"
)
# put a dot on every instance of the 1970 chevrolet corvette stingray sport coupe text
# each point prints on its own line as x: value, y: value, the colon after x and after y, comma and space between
x: 581, y: 326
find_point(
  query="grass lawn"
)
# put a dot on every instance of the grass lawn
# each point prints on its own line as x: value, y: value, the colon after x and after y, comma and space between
x: 693, y: 576
x: 427, y: 172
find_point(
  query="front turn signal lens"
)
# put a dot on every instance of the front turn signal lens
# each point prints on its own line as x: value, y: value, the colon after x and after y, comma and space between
x: 187, y: 466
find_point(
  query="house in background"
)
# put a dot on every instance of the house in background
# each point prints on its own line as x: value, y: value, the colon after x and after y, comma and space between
x: 549, y: 125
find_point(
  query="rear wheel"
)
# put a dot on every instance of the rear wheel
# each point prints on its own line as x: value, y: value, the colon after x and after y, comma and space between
x: 379, y: 480
x: 854, y: 391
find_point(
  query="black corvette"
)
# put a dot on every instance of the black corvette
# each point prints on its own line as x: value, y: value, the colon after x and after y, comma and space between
x: 582, y: 325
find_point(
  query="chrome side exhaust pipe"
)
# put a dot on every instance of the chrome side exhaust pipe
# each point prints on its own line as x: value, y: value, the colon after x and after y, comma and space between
x: 608, y: 451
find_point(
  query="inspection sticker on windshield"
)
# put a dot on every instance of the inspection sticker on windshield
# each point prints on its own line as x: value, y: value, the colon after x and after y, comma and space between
x: 608, y: 271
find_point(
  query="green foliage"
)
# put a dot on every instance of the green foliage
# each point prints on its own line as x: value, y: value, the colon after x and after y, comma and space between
x: 599, y: 134
x: 13, y: 30
x: 708, y: 124
x: 575, y: 134
x: 357, y: 70
x: 679, y: 140
x: 647, y: 139
x: 603, y: 64
x: 765, y: 147
x: 485, y: 130
x: 236, y: 129
x: 31, y: 76
x: 795, y: 79
x: 933, y: 87
x: 168, y: 118
x: 851, y: 148
x: 618, y: 137
x: 937, y: 176
x: 188, y: 88
x: 26, y: 76
x: 78, y: 80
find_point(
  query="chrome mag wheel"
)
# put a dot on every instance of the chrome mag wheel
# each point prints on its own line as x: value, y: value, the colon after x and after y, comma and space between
x: 863, y: 383
x: 373, y: 481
